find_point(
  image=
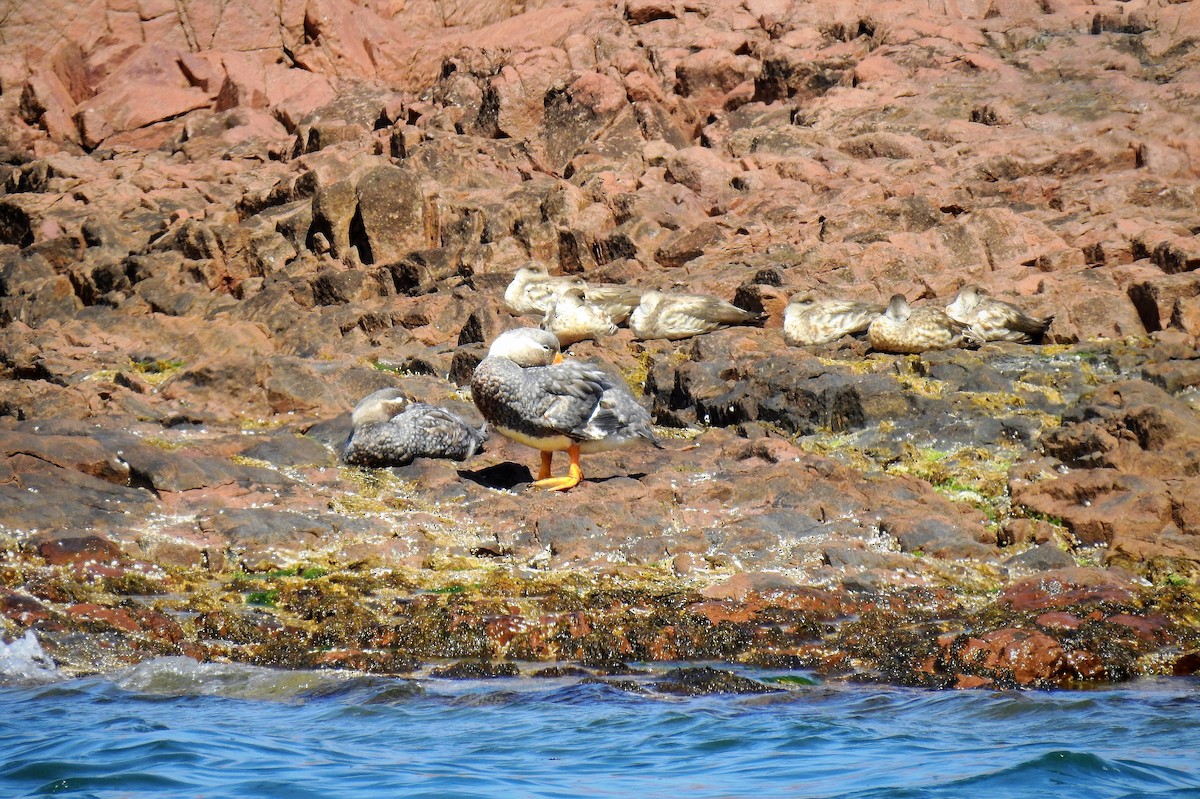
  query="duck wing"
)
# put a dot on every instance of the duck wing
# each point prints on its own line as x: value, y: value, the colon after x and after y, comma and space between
x: 445, y: 434
x: 997, y: 315
x: 615, y: 300
x: 564, y: 396
x: 715, y: 311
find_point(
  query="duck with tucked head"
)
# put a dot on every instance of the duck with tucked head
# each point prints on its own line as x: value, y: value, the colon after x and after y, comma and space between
x: 526, y: 391
x: 996, y: 320
x: 389, y: 429
x: 904, y: 329
x: 675, y: 316
x: 533, y: 289
x: 808, y: 321
x: 572, y: 318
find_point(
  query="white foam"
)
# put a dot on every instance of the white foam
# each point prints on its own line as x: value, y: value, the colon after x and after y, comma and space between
x: 24, y: 661
x: 182, y: 676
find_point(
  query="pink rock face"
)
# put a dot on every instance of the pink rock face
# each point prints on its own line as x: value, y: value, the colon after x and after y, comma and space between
x: 222, y: 224
x: 138, y: 104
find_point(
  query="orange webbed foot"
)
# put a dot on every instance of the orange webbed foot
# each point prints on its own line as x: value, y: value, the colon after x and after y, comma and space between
x: 573, y: 477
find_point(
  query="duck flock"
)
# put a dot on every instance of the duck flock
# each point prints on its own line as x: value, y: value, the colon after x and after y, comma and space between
x: 525, y: 390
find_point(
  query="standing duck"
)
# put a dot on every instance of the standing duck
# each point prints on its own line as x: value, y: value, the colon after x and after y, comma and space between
x: 808, y: 321
x: 904, y: 329
x: 996, y: 320
x: 676, y: 316
x: 389, y: 429
x: 525, y: 390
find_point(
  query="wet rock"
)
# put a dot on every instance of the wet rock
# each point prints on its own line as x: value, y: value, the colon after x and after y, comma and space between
x: 290, y: 449
x: 476, y: 670
x: 1186, y: 664
x: 1027, y: 657
x: 1043, y: 557
x: 267, y: 537
x: 66, y: 499
x: 1136, y: 445
x: 556, y: 672
x: 738, y: 586
x: 1131, y: 426
x: 1066, y: 587
x: 57, y: 550
x: 23, y: 610
x: 626, y: 686
x: 706, y: 680
x: 939, y: 537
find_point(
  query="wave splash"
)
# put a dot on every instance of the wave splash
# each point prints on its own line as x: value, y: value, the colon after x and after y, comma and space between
x: 24, y: 662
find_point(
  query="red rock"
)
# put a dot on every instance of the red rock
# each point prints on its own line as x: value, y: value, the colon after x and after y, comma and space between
x: 1085, y: 665
x: 1058, y: 621
x: 967, y: 681
x: 711, y: 78
x: 1149, y: 628
x: 46, y: 102
x: 1066, y: 587
x: 22, y: 609
x: 1029, y: 657
x: 878, y: 68
x: 132, y: 105
x: 91, y: 571
x: 639, y: 12
x: 740, y: 585
x: 1163, y: 300
x: 85, y: 455
x: 1188, y: 663
x: 701, y: 170
x: 112, y: 617
x: 61, y: 550
x: 248, y: 26
x: 1101, y: 506
x: 159, y: 625
x: 717, y: 612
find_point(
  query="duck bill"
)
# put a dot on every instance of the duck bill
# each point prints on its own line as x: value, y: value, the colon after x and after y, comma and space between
x: 558, y: 357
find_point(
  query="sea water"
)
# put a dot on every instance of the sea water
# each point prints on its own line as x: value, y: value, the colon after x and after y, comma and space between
x: 175, y: 728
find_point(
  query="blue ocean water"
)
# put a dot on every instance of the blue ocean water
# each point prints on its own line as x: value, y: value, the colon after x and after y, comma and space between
x: 175, y: 728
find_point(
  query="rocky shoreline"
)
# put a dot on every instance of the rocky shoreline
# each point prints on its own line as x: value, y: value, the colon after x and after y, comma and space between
x: 218, y: 234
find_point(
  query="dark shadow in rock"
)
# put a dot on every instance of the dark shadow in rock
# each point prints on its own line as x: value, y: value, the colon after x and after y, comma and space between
x: 505, y: 476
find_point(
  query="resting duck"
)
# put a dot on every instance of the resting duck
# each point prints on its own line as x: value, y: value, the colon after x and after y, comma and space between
x: 996, y: 320
x: 808, y: 321
x: 676, y: 316
x: 389, y: 429
x: 572, y: 318
x: 533, y: 289
x: 904, y: 329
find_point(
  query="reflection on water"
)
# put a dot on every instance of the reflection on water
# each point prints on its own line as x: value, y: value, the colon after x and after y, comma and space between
x: 173, y: 727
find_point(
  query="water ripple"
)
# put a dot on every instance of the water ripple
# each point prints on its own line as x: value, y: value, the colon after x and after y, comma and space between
x: 177, y: 728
